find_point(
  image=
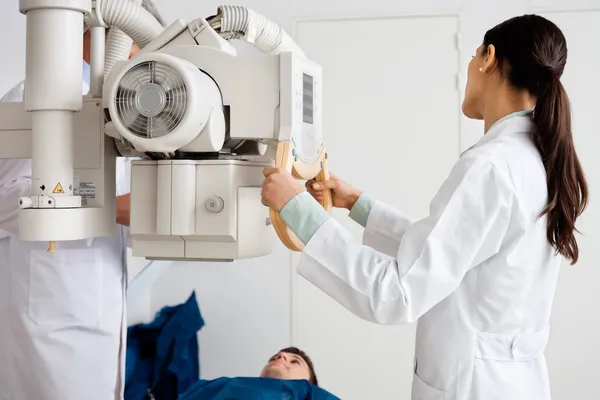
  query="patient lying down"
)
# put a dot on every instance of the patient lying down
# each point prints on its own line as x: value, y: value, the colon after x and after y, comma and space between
x: 288, y: 373
x: 290, y: 364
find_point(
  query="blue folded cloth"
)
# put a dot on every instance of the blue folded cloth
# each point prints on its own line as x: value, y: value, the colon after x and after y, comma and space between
x: 162, y: 356
x: 255, y: 389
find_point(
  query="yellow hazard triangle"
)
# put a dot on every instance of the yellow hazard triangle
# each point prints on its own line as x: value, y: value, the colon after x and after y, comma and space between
x: 58, y: 188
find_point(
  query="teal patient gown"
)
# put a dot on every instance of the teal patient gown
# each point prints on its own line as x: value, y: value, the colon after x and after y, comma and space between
x: 255, y: 389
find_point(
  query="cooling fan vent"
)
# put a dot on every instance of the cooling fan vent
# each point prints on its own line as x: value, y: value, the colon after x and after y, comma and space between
x: 151, y: 99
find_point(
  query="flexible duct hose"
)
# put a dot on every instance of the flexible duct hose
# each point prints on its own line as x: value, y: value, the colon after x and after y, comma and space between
x: 131, y: 18
x: 129, y: 22
x: 117, y: 48
x: 234, y: 22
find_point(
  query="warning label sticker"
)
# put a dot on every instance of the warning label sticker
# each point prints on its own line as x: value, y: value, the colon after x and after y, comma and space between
x: 85, y: 189
x: 58, y: 189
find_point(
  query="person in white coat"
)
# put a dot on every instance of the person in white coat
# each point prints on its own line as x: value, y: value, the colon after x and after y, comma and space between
x: 479, y: 272
x: 62, y: 314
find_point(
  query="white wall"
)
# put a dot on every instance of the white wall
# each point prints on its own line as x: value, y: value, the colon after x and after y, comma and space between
x: 12, y: 44
x: 392, y: 80
x: 574, y: 352
x: 254, y: 307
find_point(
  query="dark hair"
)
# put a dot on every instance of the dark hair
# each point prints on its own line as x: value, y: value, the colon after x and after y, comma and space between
x: 294, y: 350
x: 532, y: 53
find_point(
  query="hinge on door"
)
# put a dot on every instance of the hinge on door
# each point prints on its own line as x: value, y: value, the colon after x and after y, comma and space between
x: 458, y: 40
x: 459, y: 82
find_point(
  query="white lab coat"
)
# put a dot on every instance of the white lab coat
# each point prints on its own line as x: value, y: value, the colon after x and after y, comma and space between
x: 478, y: 273
x: 62, y: 314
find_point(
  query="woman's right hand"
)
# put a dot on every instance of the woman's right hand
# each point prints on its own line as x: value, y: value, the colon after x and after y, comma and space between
x: 343, y: 194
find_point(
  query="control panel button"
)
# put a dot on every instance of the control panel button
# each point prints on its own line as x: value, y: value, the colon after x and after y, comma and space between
x: 215, y: 204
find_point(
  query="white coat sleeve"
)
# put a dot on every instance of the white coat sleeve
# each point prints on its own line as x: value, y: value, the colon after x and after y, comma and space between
x: 15, y: 178
x: 384, y: 225
x: 14, y: 95
x: 467, y: 222
x: 385, y: 228
x: 10, y: 194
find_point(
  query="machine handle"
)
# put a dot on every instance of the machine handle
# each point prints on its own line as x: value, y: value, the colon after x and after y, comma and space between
x: 319, y: 171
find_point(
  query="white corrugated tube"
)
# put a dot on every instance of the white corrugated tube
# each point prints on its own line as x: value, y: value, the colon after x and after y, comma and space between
x: 118, y: 48
x: 131, y: 18
x: 256, y: 29
x: 129, y: 22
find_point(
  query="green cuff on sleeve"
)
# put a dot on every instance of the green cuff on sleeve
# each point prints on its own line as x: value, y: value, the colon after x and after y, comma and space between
x: 361, y: 210
x: 304, y: 216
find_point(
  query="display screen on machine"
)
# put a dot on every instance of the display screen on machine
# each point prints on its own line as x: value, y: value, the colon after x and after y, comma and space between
x: 308, y: 99
x: 307, y: 142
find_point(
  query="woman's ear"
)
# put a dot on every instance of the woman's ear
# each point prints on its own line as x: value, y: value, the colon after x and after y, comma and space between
x: 490, y: 60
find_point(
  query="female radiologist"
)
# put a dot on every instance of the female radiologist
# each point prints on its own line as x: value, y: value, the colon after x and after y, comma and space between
x: 479, y: 272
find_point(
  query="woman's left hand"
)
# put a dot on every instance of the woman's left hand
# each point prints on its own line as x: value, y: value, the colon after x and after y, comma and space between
x: 278, y: 188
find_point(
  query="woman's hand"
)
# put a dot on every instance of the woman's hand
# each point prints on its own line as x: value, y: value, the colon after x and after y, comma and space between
x: 278, y: 188
x: 343, y: 194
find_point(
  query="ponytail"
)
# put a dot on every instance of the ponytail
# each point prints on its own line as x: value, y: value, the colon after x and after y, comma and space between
x: 534, y: 52
x: 567, y: 187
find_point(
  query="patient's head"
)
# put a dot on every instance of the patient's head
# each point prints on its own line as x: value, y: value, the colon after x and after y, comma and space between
x: 290, y: 364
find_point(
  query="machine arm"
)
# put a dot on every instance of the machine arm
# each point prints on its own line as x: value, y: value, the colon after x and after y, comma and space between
x: 200, y: 115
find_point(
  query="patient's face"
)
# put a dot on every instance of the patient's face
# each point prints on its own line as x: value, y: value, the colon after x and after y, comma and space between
x: 286, y: 366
